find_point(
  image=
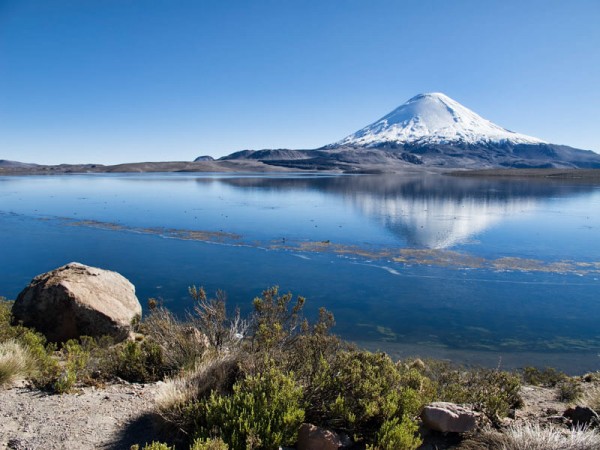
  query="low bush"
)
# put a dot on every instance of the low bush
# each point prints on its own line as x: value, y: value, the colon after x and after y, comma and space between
x: 209, y: 444
x: 569, y: 390
x: 6, y: 331
x: 264, y: 411
x: 276, y: 322
x: 363, y: 394
x: 75, y: 359
x: 491, y: 391
x: 138, y: 362
x: 548, y: 377
x: 153, y: 446
x: 396, y: 434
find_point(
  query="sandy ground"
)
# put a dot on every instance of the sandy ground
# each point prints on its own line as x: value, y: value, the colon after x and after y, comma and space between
x: 113, y: 417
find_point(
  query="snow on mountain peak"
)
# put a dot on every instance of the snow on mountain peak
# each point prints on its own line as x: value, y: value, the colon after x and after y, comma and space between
x: 433, y: 118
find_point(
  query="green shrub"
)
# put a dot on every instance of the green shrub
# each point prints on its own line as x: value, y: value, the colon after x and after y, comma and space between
x: 569, y: 390
x: 313, y: 345
x: 397, y: 435
x: 549, y: 377
x: 75, y: 357
x: 264, y: 412
x: 209, y: 444
x: 276, y: 321
x: 360, y: 392
x: 153, y: 446
x: 138, y: 362
x: 46, y: 365
x: 493, y: 392
x: 448, y: 380
x: 44, y: 368
x: 6, y: 330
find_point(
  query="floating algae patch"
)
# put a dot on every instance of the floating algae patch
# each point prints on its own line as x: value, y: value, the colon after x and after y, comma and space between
x: 190, y: 235
x: 443, y: 258
x: 408, y: 256
x: 387, y: 334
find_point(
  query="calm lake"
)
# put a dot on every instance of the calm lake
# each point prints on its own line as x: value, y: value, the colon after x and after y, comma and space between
x: 491, y: 272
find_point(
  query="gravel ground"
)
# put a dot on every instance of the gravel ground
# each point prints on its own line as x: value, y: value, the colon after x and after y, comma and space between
x: 117, y: 416
x: 113, y: 417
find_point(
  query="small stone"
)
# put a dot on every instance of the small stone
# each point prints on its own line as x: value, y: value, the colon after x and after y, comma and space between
x: 311, y: 437
x: 449, y: 417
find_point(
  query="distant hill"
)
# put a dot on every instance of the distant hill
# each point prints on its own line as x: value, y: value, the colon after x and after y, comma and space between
x: 204, y: 158
x: 14, y: 164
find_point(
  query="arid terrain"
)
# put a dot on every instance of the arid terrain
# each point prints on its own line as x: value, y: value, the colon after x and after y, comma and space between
x: 119, y: 415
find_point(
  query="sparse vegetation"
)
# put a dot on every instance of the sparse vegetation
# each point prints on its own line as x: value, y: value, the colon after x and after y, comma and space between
x: 209, y: 444
x: 569, y: 390
x: 236, y: 384
x: 287, y: 371
x: 491, y: 391
x: 153, y: 446
x: 548, y: 377
x: 264, y: 411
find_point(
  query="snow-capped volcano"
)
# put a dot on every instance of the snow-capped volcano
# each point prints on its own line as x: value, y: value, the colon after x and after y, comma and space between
x: 433, y: 118
x: 429, y: 130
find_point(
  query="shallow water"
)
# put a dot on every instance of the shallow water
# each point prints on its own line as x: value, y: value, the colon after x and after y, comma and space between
x: 483, y: 271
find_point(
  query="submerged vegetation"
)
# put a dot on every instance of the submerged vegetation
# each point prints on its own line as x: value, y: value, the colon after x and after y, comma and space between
x: 238, y: 383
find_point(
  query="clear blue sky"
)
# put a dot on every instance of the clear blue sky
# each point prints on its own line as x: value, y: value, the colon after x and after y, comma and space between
x: 110, y: 81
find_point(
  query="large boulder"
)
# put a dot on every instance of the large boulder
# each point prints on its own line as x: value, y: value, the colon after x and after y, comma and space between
x: 78, y: 300
x: 449, y: 417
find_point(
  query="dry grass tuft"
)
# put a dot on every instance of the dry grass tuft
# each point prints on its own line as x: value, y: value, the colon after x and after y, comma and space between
x: 591, y: 398
x: 15, y: 362
x: 213, y: 373
x: 181, y: 343
x: 535, y: 437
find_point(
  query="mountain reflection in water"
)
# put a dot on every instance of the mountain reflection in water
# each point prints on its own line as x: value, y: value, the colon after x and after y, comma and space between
x: 435, y: 212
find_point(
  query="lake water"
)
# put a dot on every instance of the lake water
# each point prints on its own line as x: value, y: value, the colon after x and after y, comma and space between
x: 480, y: 271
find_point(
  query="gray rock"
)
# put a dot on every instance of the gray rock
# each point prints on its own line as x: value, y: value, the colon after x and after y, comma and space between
x: 311, y: 437
x: 449, y: 417
x: 77, y: 300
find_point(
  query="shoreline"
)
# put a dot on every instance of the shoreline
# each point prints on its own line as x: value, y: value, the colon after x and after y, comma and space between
x: 259, y: 167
